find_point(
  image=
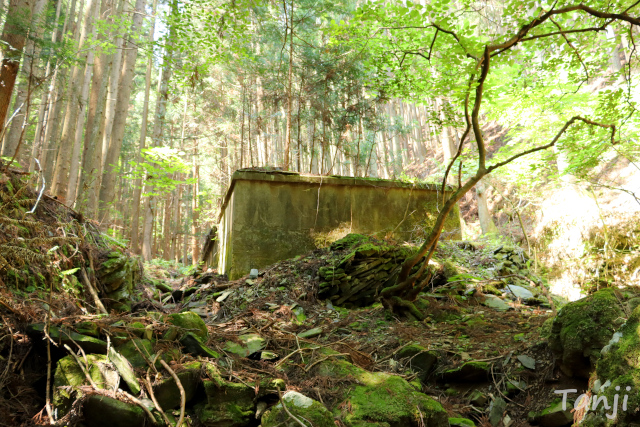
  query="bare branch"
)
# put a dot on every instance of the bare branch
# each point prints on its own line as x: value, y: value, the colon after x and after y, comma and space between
x: 555, y: 139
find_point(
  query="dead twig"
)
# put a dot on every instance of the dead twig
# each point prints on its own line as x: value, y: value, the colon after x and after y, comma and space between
x: 92, y: 291
x: 183, y: 397
x: 293, y: 417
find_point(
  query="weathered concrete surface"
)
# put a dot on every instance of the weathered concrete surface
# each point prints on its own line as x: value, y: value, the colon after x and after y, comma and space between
x: 271, y: 216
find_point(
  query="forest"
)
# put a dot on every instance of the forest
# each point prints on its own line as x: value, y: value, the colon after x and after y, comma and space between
x: 319, y: 213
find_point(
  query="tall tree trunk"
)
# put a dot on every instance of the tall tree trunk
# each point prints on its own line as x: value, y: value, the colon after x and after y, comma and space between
x: 107, y: 187
x: 12, y: 42
x: 37, y: 152
x: 287, y: 146
x: 115, y: 71
x: 486, y: 221
x: 88, y: 186
x: 60, y: 183
x: 137, y: 186
x: 52, y: 132
x: 30, y: 68
x: 156, y: 137
x: 74, y: 170
x: 195, y: 217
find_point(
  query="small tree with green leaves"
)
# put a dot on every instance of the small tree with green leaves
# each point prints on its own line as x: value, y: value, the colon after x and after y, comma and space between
x: 536, y: 68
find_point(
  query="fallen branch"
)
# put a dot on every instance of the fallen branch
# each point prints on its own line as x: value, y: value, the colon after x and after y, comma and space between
x: 293, y: 417
x: 183, y: 397
x: 92, y: 291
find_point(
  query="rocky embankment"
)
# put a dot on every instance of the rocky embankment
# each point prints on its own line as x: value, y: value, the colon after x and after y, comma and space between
x: 305, y: 342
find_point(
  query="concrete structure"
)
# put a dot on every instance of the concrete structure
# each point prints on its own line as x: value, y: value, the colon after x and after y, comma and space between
x: 270, y: 216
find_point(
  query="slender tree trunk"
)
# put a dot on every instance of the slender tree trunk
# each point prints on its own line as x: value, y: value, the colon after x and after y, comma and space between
x: 107, y: 188
x: 287, y: 146
x: 89, y: 184
x: 137, y: 186
x: 30, y: 69
x: 195, y: 218
x: 60, y: 185
x: 486, y: 221
x: 12, y: 42
x: 74, y: 170
x: 57, y: 101
x: 156, y: 137
x: 37, y: 152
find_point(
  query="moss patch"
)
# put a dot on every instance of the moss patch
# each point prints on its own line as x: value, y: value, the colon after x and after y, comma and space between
x: 582, y: 328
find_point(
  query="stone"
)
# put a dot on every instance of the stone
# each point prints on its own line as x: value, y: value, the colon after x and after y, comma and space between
x: 88, y: 328
x: 379, y: 397
x: 496, y: 303
x: 310, y: 333
x: 467, y: 372
x: 582, y: 328
x: 104, y: 411
x: 253, y: 274
x: 193, y: 346
x: 69, y: 337
x: 527, y: 361
x: 228, y: 404
x: 461, y: 422
x: 167, y: 392
x: 519, y: 292
x: 249, y: 344
x: 618, y: 367
x: 418, y: 359
x: 497, y: 408
x: 477, y: 398
x: 69, y: 376
x: 187, y: 321
x: 125, y: 369
x: 553, y: 415
x: 133, y: 350
x: 299, y: 406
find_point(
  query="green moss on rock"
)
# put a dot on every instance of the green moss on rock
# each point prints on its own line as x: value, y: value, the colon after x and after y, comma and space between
x: 69, y: 376
x: 103, y: 411
x: 582, y: 328
x: 187, y: 321
x: 300, y: 406
x: 381, y: 398
x: 619, y: 366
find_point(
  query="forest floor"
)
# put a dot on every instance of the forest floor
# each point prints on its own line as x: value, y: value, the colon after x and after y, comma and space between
x: 481, y: 353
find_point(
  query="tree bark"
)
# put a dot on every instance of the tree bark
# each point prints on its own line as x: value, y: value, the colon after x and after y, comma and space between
x: 486, y: 221
x: 137, y: 186
x: 107, y: 188
x: 60, y: 183
x: 13, y: 40
x: 30, y: 69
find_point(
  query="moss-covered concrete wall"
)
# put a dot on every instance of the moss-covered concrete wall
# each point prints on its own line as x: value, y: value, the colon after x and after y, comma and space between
x: 271, y: 216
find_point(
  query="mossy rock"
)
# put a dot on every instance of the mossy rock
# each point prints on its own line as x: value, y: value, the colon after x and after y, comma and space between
x: 88, y: 328
x: 69, y: 376
x: 349, y: 241
x: 619, y: 366
x: 300, y: 406
x: 554, y: 415
x: 187, y: 321
x: 103, y: 411
x: 418, y: 359
x: 379, y: 398
x: 69, y: 337
x: 468, y: 372
x: 167, y: 392
x: 228, y: 404
x: 134, y: 349
x: 582, y: 328
x: 461, y: 422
